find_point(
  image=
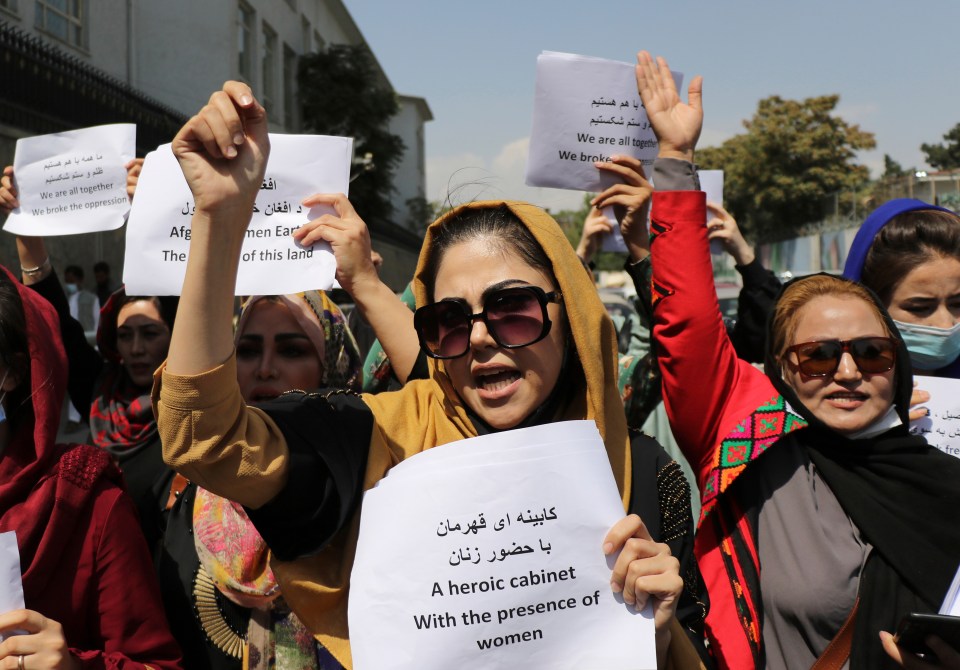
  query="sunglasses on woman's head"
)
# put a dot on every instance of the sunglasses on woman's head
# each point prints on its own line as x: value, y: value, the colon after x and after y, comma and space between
x: 515, y: 317
x: 872, y: 355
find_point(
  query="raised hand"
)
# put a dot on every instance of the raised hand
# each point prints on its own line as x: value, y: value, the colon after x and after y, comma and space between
x: 677, y: 125
x: 223, y: 151
x: 722, y: 226
x: 347, y: 235
x: 630, y: 200
x: 8, y: 192
x: 133, y: 176
x: 595, y: 226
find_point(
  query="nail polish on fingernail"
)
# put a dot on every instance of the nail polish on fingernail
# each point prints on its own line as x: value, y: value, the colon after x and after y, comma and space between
x: 230, y: 152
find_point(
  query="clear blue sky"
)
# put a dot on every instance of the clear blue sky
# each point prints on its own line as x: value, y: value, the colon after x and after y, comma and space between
x: 894, y: 64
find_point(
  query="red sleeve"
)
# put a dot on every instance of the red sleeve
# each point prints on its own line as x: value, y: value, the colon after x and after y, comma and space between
x: 132, y: 625
x: 706, y: 388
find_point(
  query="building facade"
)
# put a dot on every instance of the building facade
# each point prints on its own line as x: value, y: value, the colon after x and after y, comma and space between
x: 75, y: 63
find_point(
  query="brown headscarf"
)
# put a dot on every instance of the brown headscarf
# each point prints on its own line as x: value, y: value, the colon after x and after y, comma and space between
x: 429, y: 413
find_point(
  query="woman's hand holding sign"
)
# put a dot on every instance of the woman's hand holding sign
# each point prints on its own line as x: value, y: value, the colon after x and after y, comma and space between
x: 645, y: 573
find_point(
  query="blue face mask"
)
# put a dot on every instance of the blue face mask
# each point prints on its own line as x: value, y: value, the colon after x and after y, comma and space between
x: 71, y: 288
x: 930, y: 348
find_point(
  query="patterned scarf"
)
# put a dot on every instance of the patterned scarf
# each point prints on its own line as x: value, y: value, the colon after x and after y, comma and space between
x: 228, y: 545
x: 121, y: 416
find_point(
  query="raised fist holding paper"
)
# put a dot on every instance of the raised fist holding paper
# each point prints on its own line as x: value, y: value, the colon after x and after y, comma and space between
x: 677, y: 125
x: 223, y: 151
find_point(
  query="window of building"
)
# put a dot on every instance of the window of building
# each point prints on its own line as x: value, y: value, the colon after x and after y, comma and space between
x: 318, y: 43
x: 10, y: 5
x: 63, y: 19
x: 289, y: 88
x: 245, y: 34
x: 268, y: 82
x: 306, y: 46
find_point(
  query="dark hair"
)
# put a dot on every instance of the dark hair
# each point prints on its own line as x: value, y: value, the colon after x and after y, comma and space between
x: 495, y: 225
x: 166, y: 305
x: 101, y: 266
x: 905, y: 242
x: 75, y: 270
x: 14, y: 346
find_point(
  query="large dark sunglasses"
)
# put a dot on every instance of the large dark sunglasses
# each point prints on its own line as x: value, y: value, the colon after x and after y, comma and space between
x: 872, y: 355
x: 515, y: 317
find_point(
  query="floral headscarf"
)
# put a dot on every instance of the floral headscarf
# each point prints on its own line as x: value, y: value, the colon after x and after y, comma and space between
x: 229, y: 547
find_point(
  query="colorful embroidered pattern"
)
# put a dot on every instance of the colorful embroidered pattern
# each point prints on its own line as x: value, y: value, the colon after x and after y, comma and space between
x: 658, y: 293
x: 750, y: 438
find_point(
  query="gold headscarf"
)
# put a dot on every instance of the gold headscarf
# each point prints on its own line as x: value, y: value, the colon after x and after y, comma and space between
x: 428, y: 413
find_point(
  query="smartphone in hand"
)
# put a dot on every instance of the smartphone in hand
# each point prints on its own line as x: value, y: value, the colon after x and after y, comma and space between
x: 915, y: 627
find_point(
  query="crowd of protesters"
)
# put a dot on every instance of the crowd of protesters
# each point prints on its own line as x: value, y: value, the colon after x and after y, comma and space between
x: 821, y: 520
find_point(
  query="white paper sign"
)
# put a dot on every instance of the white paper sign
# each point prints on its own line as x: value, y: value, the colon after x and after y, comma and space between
x: 585, y: 109
x: 11, y: 585
x: 951, y: 603
x: 72, y: 182
x: 711, y: 183
x: 158, y: 233
x: 613, y: 241
x: 942, y: 426
x: 486, y: 553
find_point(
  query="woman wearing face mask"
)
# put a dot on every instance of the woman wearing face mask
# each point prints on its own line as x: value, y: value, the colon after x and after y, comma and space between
x: 90, y: 591
x: 908, y: 252
x: 824, y: 521
x: 299, y: 463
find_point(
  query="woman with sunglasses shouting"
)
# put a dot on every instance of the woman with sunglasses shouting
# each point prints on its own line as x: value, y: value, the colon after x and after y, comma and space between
x: 516, y: 334
x: 824, y: 522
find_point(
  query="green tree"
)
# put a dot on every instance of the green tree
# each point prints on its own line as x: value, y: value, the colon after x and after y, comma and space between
x: 343, y: 93
x: 792, y: 157
x: 946, y: 155
x: 891, y: 168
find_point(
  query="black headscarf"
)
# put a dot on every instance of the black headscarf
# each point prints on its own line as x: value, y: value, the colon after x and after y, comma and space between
x: 903, y: 496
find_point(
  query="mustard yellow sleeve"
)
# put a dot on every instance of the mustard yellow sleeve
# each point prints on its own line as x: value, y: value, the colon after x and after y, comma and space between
x: 214, y: 439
